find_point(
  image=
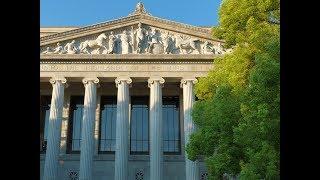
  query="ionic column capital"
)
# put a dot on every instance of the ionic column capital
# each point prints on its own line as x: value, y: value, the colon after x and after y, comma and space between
x: 154, y: 79
x: 120, y: 79
x: 63, y: 80
x: 185, y: 80
x: 94, y: 80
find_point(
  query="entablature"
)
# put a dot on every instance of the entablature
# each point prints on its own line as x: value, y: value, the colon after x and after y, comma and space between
x: 128, y: 58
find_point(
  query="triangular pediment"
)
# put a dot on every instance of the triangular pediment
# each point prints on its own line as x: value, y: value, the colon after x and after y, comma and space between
x: 137, y: 33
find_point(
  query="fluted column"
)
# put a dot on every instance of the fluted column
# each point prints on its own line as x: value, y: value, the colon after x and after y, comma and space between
x: 156, y: 160
x: 54, y: 129
x: 122, y: 128
x: 192, y: 169
x: 87, y: 132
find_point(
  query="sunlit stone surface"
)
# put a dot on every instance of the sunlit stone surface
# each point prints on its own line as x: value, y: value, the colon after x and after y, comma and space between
x: 122, y: 133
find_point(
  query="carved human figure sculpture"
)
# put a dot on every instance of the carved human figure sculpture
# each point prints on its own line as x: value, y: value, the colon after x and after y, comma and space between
x: 58, y: 49
x: 140, y: 35
x: 47, y: 51
x: 112, y: 40
x: 70, y: 48
x: 126, y: 44
x: 153, y: 39
x: 167, y: 42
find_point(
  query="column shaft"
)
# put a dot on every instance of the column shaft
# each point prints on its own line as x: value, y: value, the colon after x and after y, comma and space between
x: 156, y: 154
x: 122, y: 129
x: 192, y: 169
x: 87, y: 133
x: 54, y: 130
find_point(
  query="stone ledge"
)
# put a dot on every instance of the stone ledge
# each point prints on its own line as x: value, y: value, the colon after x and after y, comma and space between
x: 111, y: 157
x: 125, y: 57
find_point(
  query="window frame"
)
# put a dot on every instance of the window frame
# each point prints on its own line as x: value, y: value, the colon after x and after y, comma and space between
x: 177, y: 98
x: 147, y: 100
x: 76, y: 99
x: 103, y: 101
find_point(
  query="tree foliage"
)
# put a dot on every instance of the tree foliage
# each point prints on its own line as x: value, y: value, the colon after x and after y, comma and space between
x: 238, y: 112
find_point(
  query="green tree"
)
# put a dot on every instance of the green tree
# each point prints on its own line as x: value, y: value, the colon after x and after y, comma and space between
x: 238, y: 112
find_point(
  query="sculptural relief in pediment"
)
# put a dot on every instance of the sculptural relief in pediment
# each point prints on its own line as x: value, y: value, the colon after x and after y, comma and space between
x: 137, y: 39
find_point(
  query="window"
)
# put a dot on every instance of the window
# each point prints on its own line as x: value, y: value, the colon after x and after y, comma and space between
x: 108, y: 117
x: 171, y: 125
x: 44, y: 121
x: 75, y: 122
x: 139, y: 125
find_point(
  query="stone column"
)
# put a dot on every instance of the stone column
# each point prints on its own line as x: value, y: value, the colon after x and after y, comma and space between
x: 87, y: 132
x: 97, y: 126
x: 122, y: 128
x: 192, y: 169
x: 64, y: 126
x: 54, y: 129
x: 155, y: 84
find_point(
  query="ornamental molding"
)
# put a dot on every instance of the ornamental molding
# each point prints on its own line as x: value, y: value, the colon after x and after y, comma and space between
x: 125, y: 62
x: 129, y: 56
x: 145, y: 69
x: 128, y: 59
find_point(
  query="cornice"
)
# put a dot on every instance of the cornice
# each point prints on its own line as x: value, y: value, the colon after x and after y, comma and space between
x: 93, y: 57
x: 127, y: 21
x: 128, y: 62
x: 177, y: 24
x: 96, y: 28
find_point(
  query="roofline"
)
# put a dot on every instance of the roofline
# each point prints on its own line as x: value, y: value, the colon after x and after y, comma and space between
x: 144, y: 18
x: 60, y: 26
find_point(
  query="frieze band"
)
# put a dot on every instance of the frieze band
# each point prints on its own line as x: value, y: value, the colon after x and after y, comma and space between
x: 137, y: 39
x: 124, y: 68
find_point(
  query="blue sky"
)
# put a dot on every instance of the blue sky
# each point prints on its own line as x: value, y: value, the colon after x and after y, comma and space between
x: 87, y: 12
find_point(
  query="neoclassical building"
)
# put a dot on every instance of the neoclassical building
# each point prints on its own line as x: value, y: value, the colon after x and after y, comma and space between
x: 116, y: 98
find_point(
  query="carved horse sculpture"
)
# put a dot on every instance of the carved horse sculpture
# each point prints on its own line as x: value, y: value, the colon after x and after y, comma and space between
x: 186, y: 44
x: 98, y: 42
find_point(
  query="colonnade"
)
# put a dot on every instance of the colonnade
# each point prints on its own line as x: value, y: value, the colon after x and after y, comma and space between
x: 122, y: 127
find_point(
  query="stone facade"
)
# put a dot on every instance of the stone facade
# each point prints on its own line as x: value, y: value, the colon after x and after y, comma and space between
x: 137, y: 55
